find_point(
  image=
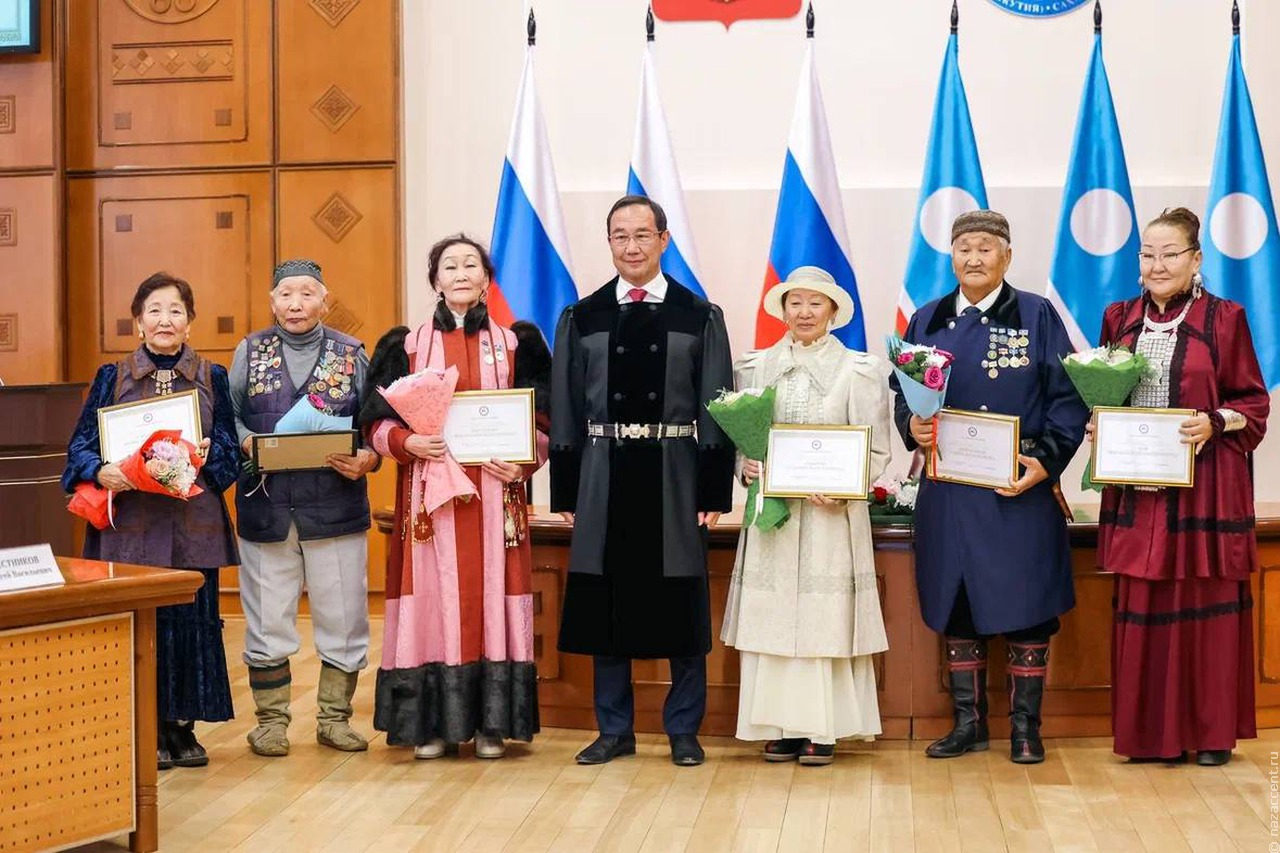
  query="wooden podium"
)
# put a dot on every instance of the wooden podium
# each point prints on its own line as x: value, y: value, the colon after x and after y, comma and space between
x: 35, y: 424
x: 78, y: 705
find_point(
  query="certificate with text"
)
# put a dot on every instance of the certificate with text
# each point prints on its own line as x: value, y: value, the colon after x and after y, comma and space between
x: 804, y: 460
x: 1142, y: 447
x: 484, y: 425
x: 123, y: 428
x: 975, y: 448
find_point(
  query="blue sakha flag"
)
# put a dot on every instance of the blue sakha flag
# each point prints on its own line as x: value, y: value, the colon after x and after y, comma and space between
x: 952, y: 185
x: 654, y: 175
x: 1095, y: 261
x: 1242, y: 252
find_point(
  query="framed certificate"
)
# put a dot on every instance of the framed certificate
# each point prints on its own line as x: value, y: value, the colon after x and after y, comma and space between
x: 123, y: 428
x: 975, y: 448
x: 1142, y: 447
x: 301, y: 451
x: 828, y: 460
x: 484, y: 425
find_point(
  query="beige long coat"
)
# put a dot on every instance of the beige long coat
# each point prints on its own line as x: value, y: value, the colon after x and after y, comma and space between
x: 808, y: 588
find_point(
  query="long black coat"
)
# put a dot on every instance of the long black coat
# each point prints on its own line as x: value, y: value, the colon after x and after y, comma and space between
x: 637, y: 570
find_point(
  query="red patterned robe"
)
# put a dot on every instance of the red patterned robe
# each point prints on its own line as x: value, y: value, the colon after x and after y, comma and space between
x: 1182, y: 642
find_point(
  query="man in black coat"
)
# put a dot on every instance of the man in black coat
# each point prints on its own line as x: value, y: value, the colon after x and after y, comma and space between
x: 642, y: 470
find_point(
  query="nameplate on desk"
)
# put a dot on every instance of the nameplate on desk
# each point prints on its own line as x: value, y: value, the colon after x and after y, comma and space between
x: 28, y: 566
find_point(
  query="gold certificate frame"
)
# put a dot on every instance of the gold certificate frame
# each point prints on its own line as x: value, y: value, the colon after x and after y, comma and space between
x: 1161, y: 471
x: 978, y: 422
x: 484, y: 425
x: 123, y: 428
x: 846, y: 437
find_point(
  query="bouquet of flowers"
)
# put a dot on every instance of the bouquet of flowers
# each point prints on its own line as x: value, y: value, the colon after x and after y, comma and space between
x: 746, y: 417
x: 1104, y: 376
x: 165, y: 464
x: 422, y: 400
x: 923, y: 373
x: 893, y: 497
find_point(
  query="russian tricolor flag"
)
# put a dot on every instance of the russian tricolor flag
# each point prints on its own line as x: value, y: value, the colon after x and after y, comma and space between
x: 530, y: 245
x: 809, y: 229
x: 654, y: 175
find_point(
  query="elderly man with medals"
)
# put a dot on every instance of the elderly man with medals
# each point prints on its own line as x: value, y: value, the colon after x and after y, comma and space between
x: 302, y: 527
x: 995, y: 561
x: 637, y: 458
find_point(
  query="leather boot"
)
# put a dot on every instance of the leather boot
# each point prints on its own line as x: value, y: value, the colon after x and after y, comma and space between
x: 271, y: 686
x: 967, y: 670
x: 333, y: 709
x: 1027, y: 665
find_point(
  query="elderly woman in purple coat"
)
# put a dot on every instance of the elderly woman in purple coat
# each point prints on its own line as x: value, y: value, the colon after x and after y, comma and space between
x: 156, y: 530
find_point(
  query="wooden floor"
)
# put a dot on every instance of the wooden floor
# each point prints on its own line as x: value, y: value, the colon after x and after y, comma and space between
x: 876, y: 797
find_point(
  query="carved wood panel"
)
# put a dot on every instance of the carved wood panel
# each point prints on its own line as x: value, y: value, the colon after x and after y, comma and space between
x: 343, y: 110
x: 347, y: 221
x: 213, y: 230
x: 30, y: 296
x: 28, y: 106
x: 169, y: 83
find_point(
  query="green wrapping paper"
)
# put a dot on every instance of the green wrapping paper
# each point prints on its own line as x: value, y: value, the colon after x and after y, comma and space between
x: 1104, y: 376
x: 746, y: 417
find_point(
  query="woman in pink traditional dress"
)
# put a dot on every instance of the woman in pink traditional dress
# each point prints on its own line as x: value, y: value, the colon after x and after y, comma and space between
x: 457, y: 653
x: 1182, y: 643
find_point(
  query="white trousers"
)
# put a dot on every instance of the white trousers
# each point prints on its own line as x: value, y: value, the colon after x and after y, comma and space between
x: 335, y: 572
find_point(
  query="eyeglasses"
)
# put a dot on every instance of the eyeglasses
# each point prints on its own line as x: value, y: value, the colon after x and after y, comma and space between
x: 1147, y: 259
x: 644, y: 239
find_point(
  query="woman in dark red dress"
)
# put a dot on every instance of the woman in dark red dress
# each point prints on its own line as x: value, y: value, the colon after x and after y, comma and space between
x: 1182, y: 642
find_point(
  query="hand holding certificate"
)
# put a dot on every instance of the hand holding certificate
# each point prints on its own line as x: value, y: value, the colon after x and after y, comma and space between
x: 804, y: 461
x: 1142, y: 447
x: 978, y: 449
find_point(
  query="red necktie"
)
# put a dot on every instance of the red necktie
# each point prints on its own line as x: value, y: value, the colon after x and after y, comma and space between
x: 637, y: 294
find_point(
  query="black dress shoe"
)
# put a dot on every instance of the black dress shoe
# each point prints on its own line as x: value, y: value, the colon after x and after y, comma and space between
x: 606, y: 748
x: 818, y: 754
x: 1213, y: 757
x: 185, y: 750
x: 1180, y: 758
x: 786, y: 749
x: 686, y: 751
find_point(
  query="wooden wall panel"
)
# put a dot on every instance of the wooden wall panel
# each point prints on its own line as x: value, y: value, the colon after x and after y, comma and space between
x: 30, y: 291
x: 28, y: 104
x: 213, y: 230
x: 346, y: 220
x: 186, y: 86
x: 331, y: 110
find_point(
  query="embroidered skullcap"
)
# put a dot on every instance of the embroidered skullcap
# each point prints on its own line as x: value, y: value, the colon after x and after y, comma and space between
x: 297, y: 266
x: 986, y: 221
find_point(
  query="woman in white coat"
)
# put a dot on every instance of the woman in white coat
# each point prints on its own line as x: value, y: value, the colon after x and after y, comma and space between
x: 804, y: 609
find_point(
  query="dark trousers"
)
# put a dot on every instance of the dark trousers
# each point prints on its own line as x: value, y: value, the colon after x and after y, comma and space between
x: 682, y: 712
x: 960, y: 625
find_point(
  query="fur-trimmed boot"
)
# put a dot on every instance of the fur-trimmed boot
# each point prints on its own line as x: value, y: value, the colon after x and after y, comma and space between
x: 271, y: 686
x: 333, y: 710
x: 967, y: 669
x: 1028, y: 663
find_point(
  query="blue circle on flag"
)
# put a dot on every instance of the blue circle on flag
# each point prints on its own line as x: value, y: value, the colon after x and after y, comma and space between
x: 1039, y: 8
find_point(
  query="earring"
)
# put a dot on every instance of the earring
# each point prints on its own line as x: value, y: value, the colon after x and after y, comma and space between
x: 1197, y: 285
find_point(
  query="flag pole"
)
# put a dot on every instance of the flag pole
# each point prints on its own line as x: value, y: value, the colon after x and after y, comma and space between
x: 532, y: 28
x: 648, y: 24
x: 808, y: 21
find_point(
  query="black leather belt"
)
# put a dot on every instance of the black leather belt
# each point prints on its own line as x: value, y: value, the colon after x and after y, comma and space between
x: 625, y: 432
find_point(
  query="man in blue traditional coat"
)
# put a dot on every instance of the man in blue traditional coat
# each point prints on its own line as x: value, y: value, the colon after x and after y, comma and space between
x: 302, y: 528
x: 996, y: 561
